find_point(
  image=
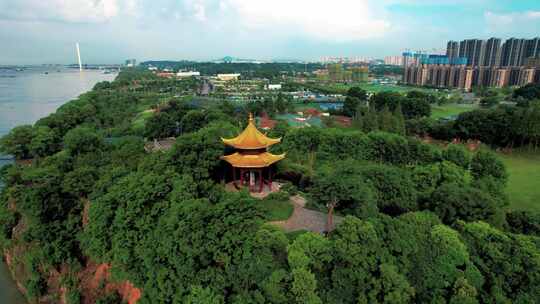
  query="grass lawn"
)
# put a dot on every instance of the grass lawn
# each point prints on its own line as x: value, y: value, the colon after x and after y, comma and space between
x: 140, y: 119
x: 450, y: 110
x: 374, y: 88
x: 524, y: 181
x: 277, y: 210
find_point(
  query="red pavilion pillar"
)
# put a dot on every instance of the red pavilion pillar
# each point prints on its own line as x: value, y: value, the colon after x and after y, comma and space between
x: 234, y: 175
x: 261, y: 180
x: 270, y: 178
x: 241, y: 177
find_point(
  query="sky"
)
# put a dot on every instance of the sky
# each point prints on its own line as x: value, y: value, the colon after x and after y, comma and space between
x: 110, y: 31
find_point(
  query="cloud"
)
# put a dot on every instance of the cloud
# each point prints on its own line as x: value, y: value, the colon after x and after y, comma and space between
x: 93, y: 11
x: 338, y: 20
x: 508, y: 18
x: 533, y: 14
x: 526, y: 22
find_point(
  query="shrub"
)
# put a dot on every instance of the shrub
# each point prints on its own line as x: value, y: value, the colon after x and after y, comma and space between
x: 485, y: 163
x: 525, y: 222
x: 458, y: 154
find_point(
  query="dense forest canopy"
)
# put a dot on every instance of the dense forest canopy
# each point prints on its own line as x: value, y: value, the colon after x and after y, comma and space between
x: 421, y: 224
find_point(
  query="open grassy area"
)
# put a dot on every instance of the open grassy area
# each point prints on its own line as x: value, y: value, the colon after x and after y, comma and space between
x: 374, y: 88
x: 277, y: 210
x: 140, y: 119
x: 524, y: 181
x: 450, y: 110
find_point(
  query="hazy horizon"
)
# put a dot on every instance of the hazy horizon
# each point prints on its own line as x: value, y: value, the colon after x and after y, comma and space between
x: 110, y: 31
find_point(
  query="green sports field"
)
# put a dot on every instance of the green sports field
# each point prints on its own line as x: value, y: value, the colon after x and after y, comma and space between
x: 373, y: 87
x: 524, y: 181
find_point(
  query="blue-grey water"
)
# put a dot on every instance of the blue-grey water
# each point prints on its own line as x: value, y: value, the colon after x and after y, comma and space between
x: 25, y: 97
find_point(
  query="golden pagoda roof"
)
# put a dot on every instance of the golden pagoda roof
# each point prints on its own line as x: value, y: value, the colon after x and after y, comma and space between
x: 261, y: 160
x: 251, y: 138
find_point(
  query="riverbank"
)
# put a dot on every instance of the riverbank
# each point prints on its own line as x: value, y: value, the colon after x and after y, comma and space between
x: 25, y: 97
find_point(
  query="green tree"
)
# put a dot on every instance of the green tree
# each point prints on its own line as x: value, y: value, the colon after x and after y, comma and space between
x: 193, y: 121
x: 203, y: 295
x: 350, y: 106
x: 341, y: 185
x: 509, y: 263
x: 399, y: 121
x: 485, y: 163
x: 458, y: 154
x: 394, y: 190
x: 357, y: 92
x: 490, y: 101
x: 17, y: 142
x: 452, y: 202
x: 83, y: 140
x: 529, y: 91
x: 160, y: 125
x: 44, y: 142
x: 387, y: 122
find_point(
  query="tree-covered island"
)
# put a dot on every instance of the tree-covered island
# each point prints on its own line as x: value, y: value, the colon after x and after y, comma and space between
x: 122, y: 196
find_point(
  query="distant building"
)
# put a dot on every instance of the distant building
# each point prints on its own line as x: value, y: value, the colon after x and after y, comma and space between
x: 360, y: 73
x: 393, y: 60
x: 228, y: 77
x: 273, y: 86
x: 165, y: 74
x: 480, y: 54
x: 452, y: 49
x: 186, y: 74
x: 515, y: 52
x: 131, y: 63
x: 533, y: 62
x: 473, y: 50
x: 443, y: 72
x: 511, y: 53
x: 492, y: 53
x: 357, y: 59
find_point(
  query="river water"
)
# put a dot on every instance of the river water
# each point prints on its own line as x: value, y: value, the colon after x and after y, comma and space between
x: 25, y: 97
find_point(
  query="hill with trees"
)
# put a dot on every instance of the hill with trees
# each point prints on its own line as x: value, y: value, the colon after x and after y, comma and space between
x: 422, y: 224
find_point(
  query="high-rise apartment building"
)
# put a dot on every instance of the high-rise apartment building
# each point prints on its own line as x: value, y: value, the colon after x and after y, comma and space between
x: 393, y: 60
x: 492, y: 53
x: 473, y: 50
x: 515, y: 52
x: 444, y: 72
x: 452, y: 49
x: 478, y: 63
x: 531, y: 49
x: 512, y: 52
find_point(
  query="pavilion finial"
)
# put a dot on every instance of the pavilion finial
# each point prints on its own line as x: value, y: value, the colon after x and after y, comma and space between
x: 250, y: 117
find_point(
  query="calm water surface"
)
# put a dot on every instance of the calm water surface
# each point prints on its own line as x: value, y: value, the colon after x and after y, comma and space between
x: 25, y: 97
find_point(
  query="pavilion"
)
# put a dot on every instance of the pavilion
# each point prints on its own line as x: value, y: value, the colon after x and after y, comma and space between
x: 251, y: 158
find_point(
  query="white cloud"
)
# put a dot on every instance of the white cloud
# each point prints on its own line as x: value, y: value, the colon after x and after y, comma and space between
x: 64, y: 10
x: 526, y: 23
x: 533, y: 14
x: 338, y: 20
x: 197, y: 9
x: 509, y: 18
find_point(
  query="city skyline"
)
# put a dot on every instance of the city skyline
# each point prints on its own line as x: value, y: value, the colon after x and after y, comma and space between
x: 109, y: 31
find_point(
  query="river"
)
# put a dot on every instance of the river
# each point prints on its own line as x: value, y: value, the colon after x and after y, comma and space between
x: 25, y: 97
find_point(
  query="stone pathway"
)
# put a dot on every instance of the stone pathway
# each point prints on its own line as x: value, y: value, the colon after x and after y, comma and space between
x: 305, y: 219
